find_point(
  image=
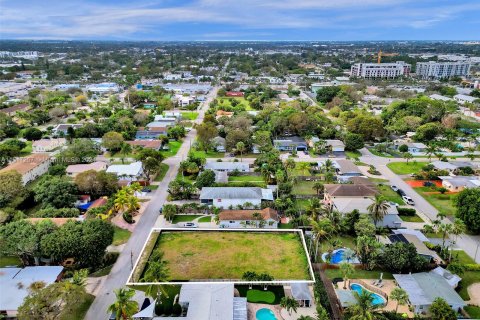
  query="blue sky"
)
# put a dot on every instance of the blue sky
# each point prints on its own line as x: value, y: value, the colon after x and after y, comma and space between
x: 241, y: 19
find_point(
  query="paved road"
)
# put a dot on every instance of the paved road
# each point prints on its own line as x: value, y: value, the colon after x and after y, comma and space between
x: 121, y: 270
x: 468, y: 243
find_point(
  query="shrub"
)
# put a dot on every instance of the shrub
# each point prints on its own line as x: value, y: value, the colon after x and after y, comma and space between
x: 177, y: 310
x: 159, y: 310
x: 128, y: 218
x: 406, y: 211
x: 167, y: 309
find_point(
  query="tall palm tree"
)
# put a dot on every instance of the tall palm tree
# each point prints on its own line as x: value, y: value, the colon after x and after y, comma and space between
x: 314, y: 208
x: 125, y: 149
x: 304, y: 167
x: 124, y: 307
x: 321, y: 230
x: 430, y: 151
x: 241, y: 148
x: 407, y: 156
x: 364, y: 309
x: 399, y: 295
x: 378, y: 209
x: 289, y: 304
x: 156, y: 271
x: 347, y: 270
x: 318, y: 187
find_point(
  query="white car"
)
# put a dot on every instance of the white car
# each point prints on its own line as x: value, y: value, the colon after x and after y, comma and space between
x: 190, y: 225
x: 408, y: 200
x: 394, y: 188
x: 393, y: 204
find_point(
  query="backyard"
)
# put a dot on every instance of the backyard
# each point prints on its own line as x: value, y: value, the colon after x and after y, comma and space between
x: 196, y: 255
x: 233, y: 180
x: 304, y: 188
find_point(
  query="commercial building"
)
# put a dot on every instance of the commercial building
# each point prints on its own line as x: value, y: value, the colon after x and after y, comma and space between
x: 439, y: 70
x: 380, y: 70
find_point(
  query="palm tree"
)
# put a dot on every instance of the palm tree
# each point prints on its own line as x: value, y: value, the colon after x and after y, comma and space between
x: 318, y: 187
x: 378, y: 209
x: 304, y: 167
x: 289, y: 304
x: 241, y: 148
x: 321, y: 229
x: 124, y: 307
x: 314, y: 208
x: 156, y: 271
x: 364, y: 309
x: 289, y: 166
x: 430, y: 151
x: 125, y: 149
x: 257, y: 216
x: 399, y: 295
x: 347, y: 270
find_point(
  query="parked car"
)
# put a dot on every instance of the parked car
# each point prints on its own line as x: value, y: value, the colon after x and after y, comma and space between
x: 408, y: 200
x: 394, y: 188
x: 160, y: 210
x: 393, y: 204
x: 146, y: 190
x: 401, y: 192
x: 305, y: 152
x: 190, y: 225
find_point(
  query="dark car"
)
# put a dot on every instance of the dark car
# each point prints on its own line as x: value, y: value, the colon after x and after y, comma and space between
x: 401, y: 192
x: 146, y: 190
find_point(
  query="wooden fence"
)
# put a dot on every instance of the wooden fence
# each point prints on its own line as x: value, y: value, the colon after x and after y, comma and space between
x: 332, y: 296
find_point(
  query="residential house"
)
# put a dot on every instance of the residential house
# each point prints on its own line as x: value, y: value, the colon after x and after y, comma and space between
x: 452, y: 166
x: 161, y: 121
x: 30, y: 167
x: 452, y: 279
x: 212, y: 302
x: 347, y: 168
x: 227, y: 166
x: 419, y: 244
x: 458, y: 183
x: 440, y: 97
x: 62, y: 129
x: 290, y: 144
x: 16, y: 283
x: 226, y: 197
x: 234, y: 94
x: 47, y: 145
x: 148, y: 144
x: 11, y: 111
x: 462, y: 99
x: 173, y: 114
x: 75, y: 169
x: 184, y: 101
x: 301, y: 293
x: 416, y: 147
x: 335, y: 145
x: 424, y: 287
x: 220, y: 144
x: 245, y: 219
x: 149, y: 133
x: 129, y: 172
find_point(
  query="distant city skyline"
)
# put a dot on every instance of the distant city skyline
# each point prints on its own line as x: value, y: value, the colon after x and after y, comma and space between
x: 241, y: 20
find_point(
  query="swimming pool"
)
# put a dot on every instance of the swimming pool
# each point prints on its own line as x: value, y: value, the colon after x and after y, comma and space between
x: 338, y: 256
x: 265, y: 314
x: 377, y: 299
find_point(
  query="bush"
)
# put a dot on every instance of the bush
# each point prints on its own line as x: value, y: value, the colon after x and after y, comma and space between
x: 406, y: 212
x: 471, y: 267
x: 177, y: 310
x: 167, y: 309
x: 159, y: 310
x: 128, y: 218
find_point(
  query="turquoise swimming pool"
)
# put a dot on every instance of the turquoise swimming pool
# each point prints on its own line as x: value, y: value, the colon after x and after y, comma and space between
x: 265, y: 314
x: 377, y: 299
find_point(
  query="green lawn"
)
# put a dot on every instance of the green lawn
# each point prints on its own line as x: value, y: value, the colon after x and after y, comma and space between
x: 260, y: 296
x: 189, y: 115
x: 196, y: 255
x: 285, y: 226
x: 207, y: 154
x: 120, y: 236
x: 406, y: 168
x: 389, y: 194
x: 185, y: 217
x: 301, y: 203
x: 304, y: 188
x: 343, y: 241
x: 380, y: 154
x: 359, y: 274
x: 163, y: 171
x: 174, y: 146
x: 80, y: 308
x: 246, y: 178
x: 442, y: 202
x: 10, y: 261
x: 462, y: 257
x: 414, y: 218
x: 473, y: 311
x: 298, y: 170
x: 205, y: 219
x: 27, y: 150
x: 468, y: 278
x: 353, y: 154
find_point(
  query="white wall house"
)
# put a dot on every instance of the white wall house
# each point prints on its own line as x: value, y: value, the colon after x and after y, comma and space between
x: 236, y: 219
x: 227, y: 166
x: 75, y: 169
x: 47, y: 145
x: 130, y: 172
x: 232, y: 197
x: 30, y: 167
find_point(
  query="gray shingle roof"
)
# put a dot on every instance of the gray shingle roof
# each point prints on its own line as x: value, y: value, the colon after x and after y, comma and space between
x: 231, y: 193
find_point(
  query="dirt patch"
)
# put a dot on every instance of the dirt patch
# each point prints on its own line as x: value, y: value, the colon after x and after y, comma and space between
x: 474, y: 293
x: 419, y: 183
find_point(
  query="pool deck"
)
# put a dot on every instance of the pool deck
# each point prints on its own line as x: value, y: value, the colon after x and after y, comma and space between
x: 388, y: 286
x: 252, y: 309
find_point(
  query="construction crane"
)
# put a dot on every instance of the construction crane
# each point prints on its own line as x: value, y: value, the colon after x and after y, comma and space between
x: 383, y: 54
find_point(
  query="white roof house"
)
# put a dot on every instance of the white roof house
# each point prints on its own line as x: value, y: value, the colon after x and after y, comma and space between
x: 224, y: 197
x: 130, y: 171
x: 451, y: 278
x: 46, y: 145
x: 15, y: 283
x: 74, y: 169
x: 227, y: 166
x: 440, y: 97
x: 462, y: 98
x: 211, y: 302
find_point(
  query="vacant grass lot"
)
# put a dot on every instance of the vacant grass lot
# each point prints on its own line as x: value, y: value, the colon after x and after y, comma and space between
x: 196, y: 255
x: 207, y: 154
x: 189, y: 115
x: 251, y: 179
x: 304, y: 188
x: 174, y: 146
x: 406, y: 168
x: 227, y: 102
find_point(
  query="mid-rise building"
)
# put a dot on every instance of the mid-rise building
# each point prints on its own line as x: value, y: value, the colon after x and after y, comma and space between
x: 380, y: 70
x: 439, y: 70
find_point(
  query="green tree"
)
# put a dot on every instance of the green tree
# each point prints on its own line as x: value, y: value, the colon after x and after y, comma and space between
x: 467, y: 203
x: 125, y: 150
x: 97, y: 183
x: 321, y: 229
x: 112, y: 141
x: 367, y: 250
x: 240, y: 148
x: 54, y: 191
x: 364, y: 309
x: 205, y: 133
x: 326, y: 94
x: 205, y: 179
x: 11, y: 186
x: 156, y: 271
x: 353, y: 141
x: 32, y: 134
x: 79, y: 151
x: 347, y: 270
x: 400, y: 296
x: 169, y: 211
x: 407, y: 156
x: 124, y: 307
x: 364, y: 226
x: 289, y: 304
x: 440, y: 310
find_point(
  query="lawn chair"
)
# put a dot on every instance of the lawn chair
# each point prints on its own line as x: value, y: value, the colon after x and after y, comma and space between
x: 374, y: 282
x: 379, y: 283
